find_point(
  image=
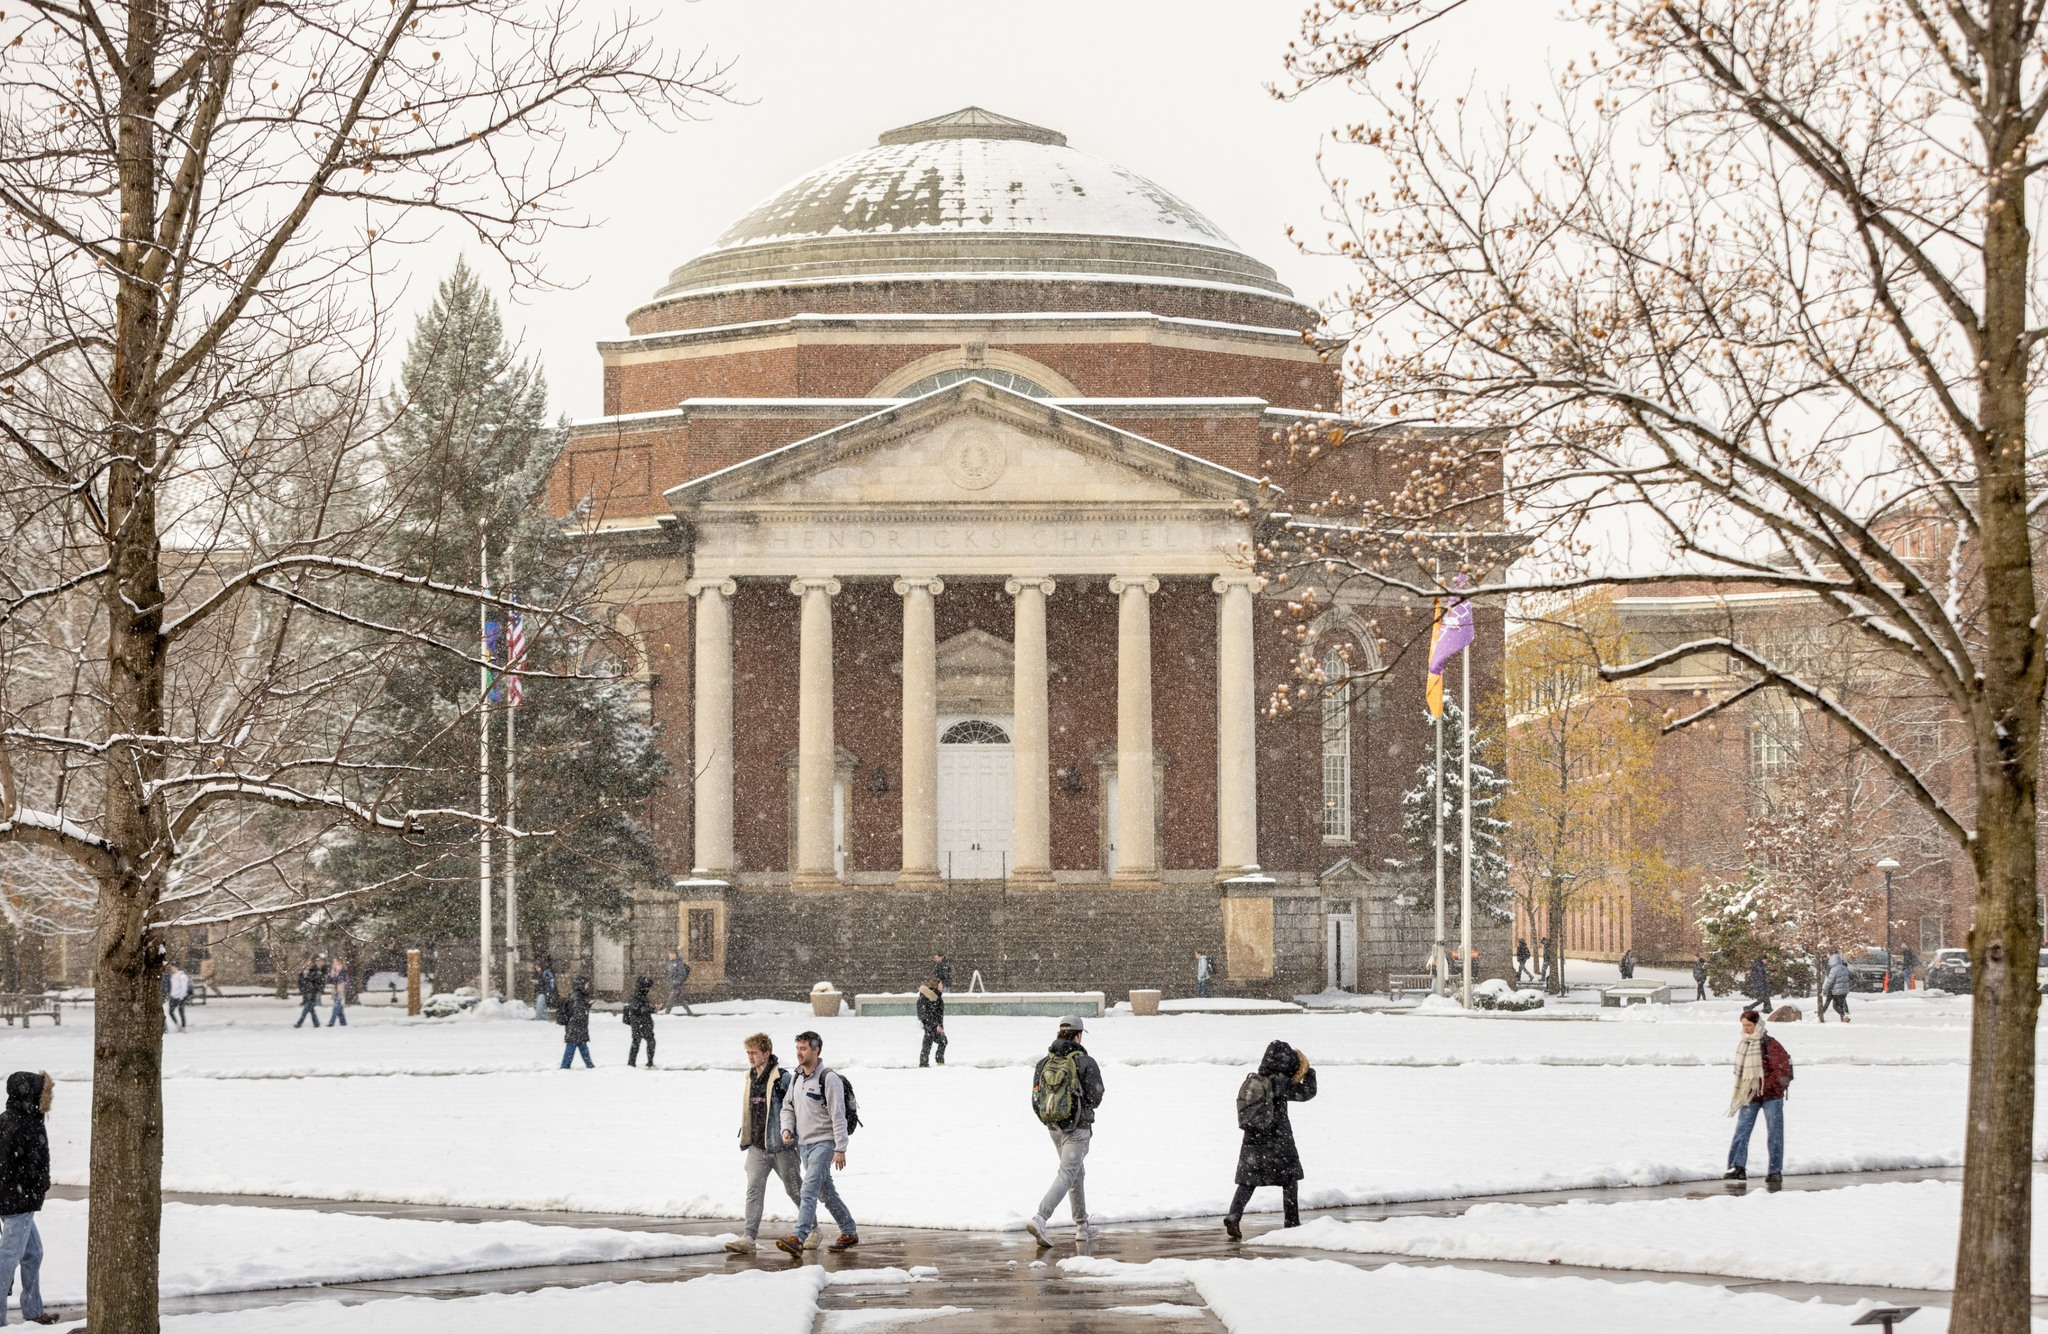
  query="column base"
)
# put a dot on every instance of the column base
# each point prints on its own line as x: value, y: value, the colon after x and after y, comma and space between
x: 816, y: 880
x: 1140, y: 879
x: 922, y: 878
x: 1032, y: 879
x: 1249, y: 875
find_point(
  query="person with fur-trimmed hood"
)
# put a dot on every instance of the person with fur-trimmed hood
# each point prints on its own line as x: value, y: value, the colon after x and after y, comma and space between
x: 1268, y: 1156
x: 24, y: 1181
x: 639, y: 1017
x: 931, y: 1013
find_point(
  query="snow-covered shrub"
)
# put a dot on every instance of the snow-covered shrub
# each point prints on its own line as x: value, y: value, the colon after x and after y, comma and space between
x: 1498, y: 994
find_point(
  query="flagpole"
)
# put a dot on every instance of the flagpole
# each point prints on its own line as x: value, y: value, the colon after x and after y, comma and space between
x: 1465, y: 814
x: 512, y: 951
x: 483, y: 765
x: 1437, y: 800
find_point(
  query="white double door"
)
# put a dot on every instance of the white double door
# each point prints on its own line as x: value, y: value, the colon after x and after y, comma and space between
x: 977, y: 777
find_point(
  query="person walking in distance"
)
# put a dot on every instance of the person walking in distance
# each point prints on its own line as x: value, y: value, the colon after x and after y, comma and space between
x: 310, y: 982
x: 1835, y: 991
x: 181, y: 992
x: 678, y: 982
x: 338, y: 1016
x: 1699, y: 976
x: 1204, y: 970
x: 24, y: 1181
x: 543, y: 990
x: 1760, y: 985
x: 761, y: 1137
x: 1763, y: 1076
x: 817, y: 1117
x: 572, y: 1012
x: 942, y: 970
x: 1521, y: 959
x: 639, y: 1017
x: 1268, y: 1156
x: 931, y: 1013
x: 1066, y: 1088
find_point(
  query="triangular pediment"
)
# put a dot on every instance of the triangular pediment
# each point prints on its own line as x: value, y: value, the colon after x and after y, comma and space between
x: 969, y: 444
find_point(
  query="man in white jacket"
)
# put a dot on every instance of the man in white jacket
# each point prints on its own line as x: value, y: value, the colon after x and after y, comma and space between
x: 814, y: 1121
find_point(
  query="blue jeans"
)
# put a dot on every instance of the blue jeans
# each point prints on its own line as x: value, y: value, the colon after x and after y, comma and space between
x: 570, y: 1049
x: 817, y: 1163
x: 1201, y: 986
x: 337, y: 1017
x: 21, y: 1247
x: 309, y: 1008
x: 1774, y: 1126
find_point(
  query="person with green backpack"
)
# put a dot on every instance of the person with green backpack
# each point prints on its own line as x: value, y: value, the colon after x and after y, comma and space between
x: 1066, y: 1088
x: 1268, y: 1156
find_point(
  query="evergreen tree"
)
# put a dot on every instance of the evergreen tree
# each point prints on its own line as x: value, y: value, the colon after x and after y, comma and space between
x: 1490, y: 893
x: 464, y: 458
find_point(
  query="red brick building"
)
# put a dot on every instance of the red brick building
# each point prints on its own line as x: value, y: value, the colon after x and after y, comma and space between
x: 932, y: 489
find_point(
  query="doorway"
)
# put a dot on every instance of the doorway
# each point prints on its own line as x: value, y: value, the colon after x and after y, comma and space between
x: 976, y: 798
x: 1340, y: 941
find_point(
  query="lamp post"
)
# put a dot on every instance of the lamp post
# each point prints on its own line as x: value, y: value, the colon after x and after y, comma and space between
x: 1888, y: 866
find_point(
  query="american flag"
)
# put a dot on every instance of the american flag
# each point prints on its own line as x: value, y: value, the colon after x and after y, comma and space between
x: 515, y: 657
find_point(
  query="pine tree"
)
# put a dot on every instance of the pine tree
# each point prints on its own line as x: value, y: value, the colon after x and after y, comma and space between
x: 464, y: 456
x: 1490, y: 894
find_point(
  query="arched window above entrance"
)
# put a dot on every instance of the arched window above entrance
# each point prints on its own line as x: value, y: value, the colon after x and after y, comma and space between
x: 975, y: 732
x: 1000, y: 378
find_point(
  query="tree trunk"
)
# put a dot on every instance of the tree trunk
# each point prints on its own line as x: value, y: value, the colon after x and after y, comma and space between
x: 123, y: 1229
x: 1553, y: 981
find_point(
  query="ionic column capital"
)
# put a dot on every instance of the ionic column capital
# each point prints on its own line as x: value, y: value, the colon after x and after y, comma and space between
x: 1118, y: 583
x: 1017, y: 585
x: 805, y: 583
x: 931, y: 584
x: 725, y: 586
x: 1223, y: 583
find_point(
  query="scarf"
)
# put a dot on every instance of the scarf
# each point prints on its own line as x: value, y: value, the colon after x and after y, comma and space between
x: 771, y: 1136
x: 1749, y: 1069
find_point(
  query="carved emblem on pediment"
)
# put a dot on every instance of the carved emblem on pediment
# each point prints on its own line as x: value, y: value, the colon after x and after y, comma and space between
x: 976, y: 459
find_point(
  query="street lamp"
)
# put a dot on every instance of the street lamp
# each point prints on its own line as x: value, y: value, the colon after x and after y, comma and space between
x: 1888, y: 866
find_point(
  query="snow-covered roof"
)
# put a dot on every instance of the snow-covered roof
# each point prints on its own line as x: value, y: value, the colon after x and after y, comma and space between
x: 973, y: 176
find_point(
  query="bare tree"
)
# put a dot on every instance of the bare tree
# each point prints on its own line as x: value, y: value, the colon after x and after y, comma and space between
x: 1757, y: 281
x: 194, y: 198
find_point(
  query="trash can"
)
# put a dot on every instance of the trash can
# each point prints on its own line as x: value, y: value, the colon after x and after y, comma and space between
x: 1145, y: 1001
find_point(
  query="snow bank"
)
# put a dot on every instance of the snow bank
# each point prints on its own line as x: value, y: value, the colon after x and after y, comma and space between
x: 232, y: 1248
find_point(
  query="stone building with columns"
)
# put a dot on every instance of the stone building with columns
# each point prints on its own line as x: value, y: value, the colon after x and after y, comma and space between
x: 933, y: 489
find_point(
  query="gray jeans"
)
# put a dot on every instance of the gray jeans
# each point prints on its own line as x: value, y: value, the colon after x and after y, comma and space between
x: 1073, y: 1150
x: 760, y: 1163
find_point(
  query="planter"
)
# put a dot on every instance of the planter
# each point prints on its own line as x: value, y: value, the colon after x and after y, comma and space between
x: 825, y: 1004
x: 1145, y: 1001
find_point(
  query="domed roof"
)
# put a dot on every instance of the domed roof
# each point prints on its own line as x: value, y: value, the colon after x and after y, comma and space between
x: 972, y: 193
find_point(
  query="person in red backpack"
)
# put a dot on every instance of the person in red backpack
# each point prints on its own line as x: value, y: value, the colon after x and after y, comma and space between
x: 1763, y: 1075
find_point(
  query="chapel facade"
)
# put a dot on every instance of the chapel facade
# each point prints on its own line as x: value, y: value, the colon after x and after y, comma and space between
x: 933, y: 492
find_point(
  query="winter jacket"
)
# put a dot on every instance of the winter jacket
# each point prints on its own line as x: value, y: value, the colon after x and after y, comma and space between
x: 678, y: 978
x: 1777, y: 1070
x: 181, y: 986
x: 573, y: 1013
x: 1204, y: 970
x: 1838, y: 977
x: 931, y: 1007
x: 814, y: 1110
x: 639, y: 1011
x: 761, y: 1116
x: 1091, y: 1080
x: 1759, y: 981
x: 1699, y: 971
x: 1268, y: 1157
x: 24, y: 1146
x: 943, y: 971
x: 310, y: 982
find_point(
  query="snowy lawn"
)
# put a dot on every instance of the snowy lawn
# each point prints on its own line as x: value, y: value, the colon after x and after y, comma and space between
x: 1289, y: 1296
x: 1896, y: 1234
x: 754, y: 1301
x: 227, y: 1248
x: 472, y: 1111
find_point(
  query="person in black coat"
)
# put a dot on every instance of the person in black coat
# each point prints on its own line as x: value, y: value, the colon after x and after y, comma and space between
x: 1268, y: 1157
x: 1760, y: 985
x: 312, y: 979
x: 24, y: 1181
x: 639, y: 1017
x: 572, y: 1012
x: 931, y: 1012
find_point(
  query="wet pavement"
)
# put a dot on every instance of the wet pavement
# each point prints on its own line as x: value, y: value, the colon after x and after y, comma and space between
x: 1000, y: 1282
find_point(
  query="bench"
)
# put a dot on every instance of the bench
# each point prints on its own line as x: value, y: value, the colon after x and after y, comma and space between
x: 1399, y: 984
x: 1635, y: 992
x: 26, y: 1007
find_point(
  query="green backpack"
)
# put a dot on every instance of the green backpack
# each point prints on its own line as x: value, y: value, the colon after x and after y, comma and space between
x: 1056, y: 1094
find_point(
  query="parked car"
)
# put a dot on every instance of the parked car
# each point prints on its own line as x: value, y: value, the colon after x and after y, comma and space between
x: 1868, y: 968
x: 2041, y: 973
x: 1949, y: 970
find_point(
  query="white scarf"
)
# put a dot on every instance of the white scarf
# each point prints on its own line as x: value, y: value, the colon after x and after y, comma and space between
x: 1749, y: 1069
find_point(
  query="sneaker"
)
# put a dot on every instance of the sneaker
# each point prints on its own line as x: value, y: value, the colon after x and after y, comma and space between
x: 1086, y: 1232
x: 1232, y: 1230
x: 1735, y: 1174
x: 743, y: 1246
x: 791, y: 1246
x: 847, y: 1241
x: 1036, y: 1227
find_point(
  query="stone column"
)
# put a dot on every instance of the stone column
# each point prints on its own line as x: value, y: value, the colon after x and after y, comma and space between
x: 1237, y: 772
x: 814, y: 737
x: 1136, y: 804
x: 712, y: 790
x: 920, y: 780
x: 1031, y: 748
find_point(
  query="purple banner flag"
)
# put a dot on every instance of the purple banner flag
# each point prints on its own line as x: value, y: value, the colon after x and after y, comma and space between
x: 1455, y: 636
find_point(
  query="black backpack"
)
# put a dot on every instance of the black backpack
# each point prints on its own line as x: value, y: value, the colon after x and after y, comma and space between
x: 852, y: 1103
x: 1255, y: 1107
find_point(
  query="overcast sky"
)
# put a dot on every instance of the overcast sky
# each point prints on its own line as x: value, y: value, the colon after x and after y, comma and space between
x: 1174, y: 90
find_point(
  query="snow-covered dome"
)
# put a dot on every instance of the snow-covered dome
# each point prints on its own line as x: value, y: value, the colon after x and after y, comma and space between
x: 972, y: 194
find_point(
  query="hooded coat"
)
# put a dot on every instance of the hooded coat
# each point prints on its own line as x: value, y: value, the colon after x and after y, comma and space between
x: 24, y: 1146
x: 639, y: 1011
x: 1090, y: 1090
x: 573, y: 1013
x: 931, y: 1007
x: 1838, y: 976
x: 1268, y: 1157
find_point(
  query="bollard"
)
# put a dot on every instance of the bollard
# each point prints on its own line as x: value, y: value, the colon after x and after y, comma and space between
x: 412, y: 981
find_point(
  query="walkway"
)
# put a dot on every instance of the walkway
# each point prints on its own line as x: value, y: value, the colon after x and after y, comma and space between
x: 991, y: 1275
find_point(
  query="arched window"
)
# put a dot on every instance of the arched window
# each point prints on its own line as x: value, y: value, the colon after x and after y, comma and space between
x: 975, y: 732
x: 1336, y: 747
x: 1001, y: 379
